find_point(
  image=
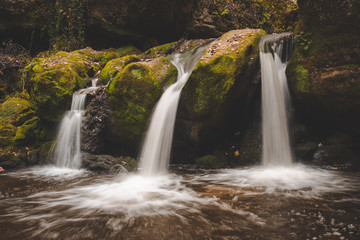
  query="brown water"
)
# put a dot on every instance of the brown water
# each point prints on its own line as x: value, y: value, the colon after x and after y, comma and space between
x: 249, y: 203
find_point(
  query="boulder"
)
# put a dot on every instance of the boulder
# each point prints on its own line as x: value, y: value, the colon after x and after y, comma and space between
x: 132, y: 94
x: 217, y: 97
x: 55, y: 77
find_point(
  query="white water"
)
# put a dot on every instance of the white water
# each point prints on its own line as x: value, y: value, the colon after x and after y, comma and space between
x: 156, y: 150
x: 67, y: 153
x: 275, y: 96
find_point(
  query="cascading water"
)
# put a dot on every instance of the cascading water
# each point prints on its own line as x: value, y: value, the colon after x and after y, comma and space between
x: 155, y: 153
x: 275, y: 51
x: 67, y: 153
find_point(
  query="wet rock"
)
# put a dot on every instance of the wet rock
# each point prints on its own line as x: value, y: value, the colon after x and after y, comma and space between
x: 94, y: 124
x: 305, y: 151
x: 109, y: 164
x: 337, y: 149
x: 250, y: 146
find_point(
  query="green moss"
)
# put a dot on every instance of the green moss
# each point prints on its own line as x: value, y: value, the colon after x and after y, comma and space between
x: 212, y: 79
x: 45, y: 151
x: 26, y: 133
x: 55, y: 77
x: 114, y: 66
x: 132, y: 93
x: 127, y: 50
x: 298, y: 74
x: 16, y: 111
x: 159, y: 50
x: 130, y: 163
x: 7, y: 132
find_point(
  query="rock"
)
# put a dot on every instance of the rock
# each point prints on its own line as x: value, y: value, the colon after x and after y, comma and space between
x: 132, y: 95
x: 250, y: 146
x: 109, y: 164
x: 216, y: 98
x: 95, y: 121
x: 18, y: 123
x: 54, y: 78
x: 114, y: 66
x: 337, y: 149
x: 305, y: 151
x: 209, y: 162
x: 324, y: 71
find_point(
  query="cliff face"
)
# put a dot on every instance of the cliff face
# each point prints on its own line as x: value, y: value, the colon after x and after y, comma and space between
x: 70, y: 25
x: 324, y: 72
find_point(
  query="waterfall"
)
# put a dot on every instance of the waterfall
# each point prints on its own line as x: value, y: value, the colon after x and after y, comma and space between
x: 156, y: 150
x: 275, y: 51
x: 67, y: 153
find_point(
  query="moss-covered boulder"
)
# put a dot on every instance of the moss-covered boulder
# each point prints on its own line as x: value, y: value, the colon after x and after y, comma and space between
x: 54, y: 78
x: 220, y: 89
x: 324, y: 71
x: 19, y: 130
x: 132, y: 93
x: 17, y: 122
x: 114, y: 66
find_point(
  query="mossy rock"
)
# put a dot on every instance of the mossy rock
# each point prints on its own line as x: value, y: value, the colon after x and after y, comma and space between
x: 127, y: 50
x: 27, y: 132
x: 133, y: 93
x: 209, y: 162
x: 17, y: 121
x: 161, y: 50
x: 44, y: 152
x: 216, y: 71
x: 54, y: 78
x: 221, y: 84
x: 98, y: 56
x: 114, y: 66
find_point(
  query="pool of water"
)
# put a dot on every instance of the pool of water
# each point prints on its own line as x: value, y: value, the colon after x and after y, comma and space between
x: 299, y: 202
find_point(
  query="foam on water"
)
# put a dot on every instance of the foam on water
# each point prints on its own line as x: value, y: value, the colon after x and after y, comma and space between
x: 295, y: 180
x: 50, y: 171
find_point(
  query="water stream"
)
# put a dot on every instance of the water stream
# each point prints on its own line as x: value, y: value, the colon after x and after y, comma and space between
x: 275, y: 97
x: 156, y: 150
x: 67, y: 153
